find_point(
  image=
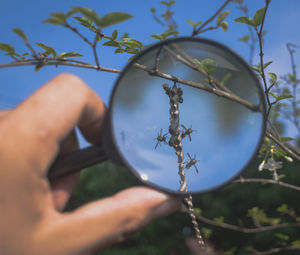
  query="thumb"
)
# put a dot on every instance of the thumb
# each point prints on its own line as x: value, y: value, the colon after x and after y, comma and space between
x: 102, y: 223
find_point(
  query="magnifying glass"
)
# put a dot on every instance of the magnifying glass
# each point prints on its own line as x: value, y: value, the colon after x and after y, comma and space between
x: 186, y: 116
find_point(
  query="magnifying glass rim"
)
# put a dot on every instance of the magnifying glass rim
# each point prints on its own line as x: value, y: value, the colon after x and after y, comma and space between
x: 205, y: 41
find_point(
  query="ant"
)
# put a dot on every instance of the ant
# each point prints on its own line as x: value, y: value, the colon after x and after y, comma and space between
x: 160, y: 138
x: 187, y: 132
x: 192, y: 162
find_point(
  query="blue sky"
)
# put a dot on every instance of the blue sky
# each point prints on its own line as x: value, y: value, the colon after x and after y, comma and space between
x: 19, y: 82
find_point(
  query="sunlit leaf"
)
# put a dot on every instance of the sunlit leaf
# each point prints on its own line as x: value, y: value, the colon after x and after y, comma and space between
x: 224, y: 26
x: 258, y: 16
x: 114, y: 18
x: 221, y: 17
x: 246, y: 20
x: 89, y: 13
x: 244, y: 38
x: 111, y: 43
x: 282, y: 236
x: 48, y: 49
x: 85, y: 21
x: 20, y: 33
x: 7, y: 48
x: 208, y: 65
x: 267, y: 64
x: 57, y: 18
x: 114, y: 34
x: 273, y: 77
x: 69, y: 54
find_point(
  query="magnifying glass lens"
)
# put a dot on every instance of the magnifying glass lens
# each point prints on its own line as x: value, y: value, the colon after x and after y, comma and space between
x: 217, y: 104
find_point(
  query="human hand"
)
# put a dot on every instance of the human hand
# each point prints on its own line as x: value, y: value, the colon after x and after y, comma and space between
x: 32, y: 136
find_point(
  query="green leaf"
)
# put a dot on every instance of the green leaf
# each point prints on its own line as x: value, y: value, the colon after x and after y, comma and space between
x: 282, y: 236
x: 287, y: 139
x: 114, y: 34
x: 157, y: 37
x: 38, y: 66
x: 208, y: 65
x: 224, y: 26
x: 169, y: 33
x: 258, y: 16
x: 7, y: 48
x: 244, y: 38
x: 153, y: 10
x: 69, y: 54
x: 85, y: 21
x: 20, y: 33
x: 283, y: 208
x: 296, y: 243
x: 219, y: 219
x: 133, y: 42
x: 267, y: 64
x: 256, y: 69
x: 169, y: 4
x: 57, y: 18
x: 114, y: 18
x: 245, y: 20
x: 206, y: 232
x: 119, y: 50
x: 89, y: 13
x: 48, y: 49
x: 111, y: 43
x: 192, y: 23
x: 221, y: 17
x: 273, y: 77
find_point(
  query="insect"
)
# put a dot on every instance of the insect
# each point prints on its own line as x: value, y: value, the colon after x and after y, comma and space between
x: 160, y: 138
x: 191, y: 162
x: 187, y: 132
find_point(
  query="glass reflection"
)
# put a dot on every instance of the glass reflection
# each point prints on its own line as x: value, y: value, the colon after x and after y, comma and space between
x: 225, y: 133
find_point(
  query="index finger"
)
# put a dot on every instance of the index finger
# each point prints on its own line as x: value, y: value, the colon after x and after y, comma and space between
x: 43, y: 120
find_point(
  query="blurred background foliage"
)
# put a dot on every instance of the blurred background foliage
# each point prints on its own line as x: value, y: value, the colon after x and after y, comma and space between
x: 236, y: 203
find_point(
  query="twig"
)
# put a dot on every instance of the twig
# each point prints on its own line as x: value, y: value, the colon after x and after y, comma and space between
x: 218, y: 92
x: 94, y: 46
x: 199, y: 30
x: 261, y: 54
x: 75, y: 30
x: 282, y: 145
x: 276, y: 250
x: 60, y: 62
x: 241, y: 229
x: 260, y: 180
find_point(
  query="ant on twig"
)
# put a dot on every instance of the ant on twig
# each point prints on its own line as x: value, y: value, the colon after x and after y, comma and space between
x: 160, y: 138
x: 187, y: 132
x: 191, y: 162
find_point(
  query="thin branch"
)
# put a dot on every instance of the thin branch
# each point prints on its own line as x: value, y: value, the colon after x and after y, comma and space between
x: 261, y: 54
x: 218, y: 92
x: 94, y: 46
x: 241, y: 229
x: 75, y: 30
x: 61, y: 62
x: 199, y: 30
x: 260, y: 180
x: 282, y: 145
x: 276, y: 250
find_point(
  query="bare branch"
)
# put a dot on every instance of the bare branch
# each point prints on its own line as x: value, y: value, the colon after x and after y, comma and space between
x: 61, y: 62
x: 199, y: 30
x: 282, y: 145
x: 275, y: 250
x: 260, y: 180
x: 241, y: 229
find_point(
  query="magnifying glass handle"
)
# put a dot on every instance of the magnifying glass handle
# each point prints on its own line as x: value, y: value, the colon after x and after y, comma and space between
x: 76, y: 161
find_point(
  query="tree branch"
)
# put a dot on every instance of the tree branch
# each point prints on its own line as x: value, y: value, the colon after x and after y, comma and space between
x: 241, y: 229
x: 199, y: 30
x: 260, y: 180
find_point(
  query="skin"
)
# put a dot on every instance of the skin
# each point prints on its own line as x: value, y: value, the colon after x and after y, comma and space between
x: 31, y: 217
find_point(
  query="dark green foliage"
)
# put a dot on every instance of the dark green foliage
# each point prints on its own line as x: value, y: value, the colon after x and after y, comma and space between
x: 270, y: 203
